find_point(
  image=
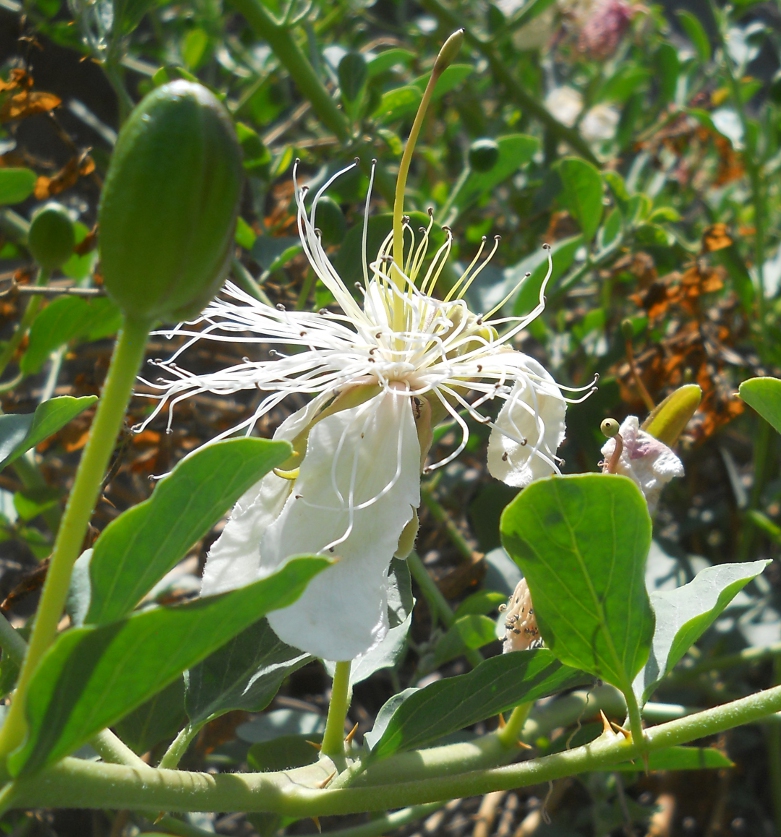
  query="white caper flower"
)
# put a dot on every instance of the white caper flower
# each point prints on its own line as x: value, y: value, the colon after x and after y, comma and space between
x: 379, y: 373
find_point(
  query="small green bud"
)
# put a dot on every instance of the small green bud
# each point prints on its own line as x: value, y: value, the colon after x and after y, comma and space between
x: 627, y: 329
x: 483, y: 154
x: 51, y: 238
x: 329, y: 219
x: 609, y: 427
x: 448, y: 53
x: 667, y: 420
x: 169, y: 205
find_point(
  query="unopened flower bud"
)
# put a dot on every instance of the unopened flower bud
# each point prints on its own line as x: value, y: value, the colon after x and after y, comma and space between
x: 483, y: 154
x: 169, y: 205
x: 51, y: 237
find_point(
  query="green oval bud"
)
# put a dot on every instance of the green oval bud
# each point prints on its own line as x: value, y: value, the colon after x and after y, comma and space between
x: 668, y: 420
x: 168, y: 210
x: 483, y: 154
x: 329, y: 219
x: 51, y: 238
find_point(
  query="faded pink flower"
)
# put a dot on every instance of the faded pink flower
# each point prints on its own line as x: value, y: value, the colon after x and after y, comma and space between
x: 645, y: 460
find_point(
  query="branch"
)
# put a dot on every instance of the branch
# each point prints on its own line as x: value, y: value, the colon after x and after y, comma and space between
x: 76, y: 783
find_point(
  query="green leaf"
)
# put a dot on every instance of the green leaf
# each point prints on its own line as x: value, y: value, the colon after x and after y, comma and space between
x: 582, y: 193
x: 21, y: 431
x: 388, y: 59
x: 396, y: 103
x: 283, y: 753
x: 245, y: 673
x: 678, y: 758
x: 515, y: 151
x: 764, y: 395
x: 562, y: 254
x: 697, y: 35
x: 496, y: 685
x: 451, y: 78
x: 684, y: 614
x: 352, y: 74
x: 467, y: 632
x: 65, y: 319
x: 484, y: 601
x: 93, y: 676
x: 582, y: 542
x: 159, y: 719
x: 138, y: 548
x: 16, y: 185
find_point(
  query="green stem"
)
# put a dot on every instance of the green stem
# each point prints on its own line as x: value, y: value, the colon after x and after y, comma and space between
x: 78, y: 783
x: 128, y: 354
x: 437, y: 602
x: 114, y: 751
x: 14, y: 225
x: 292, y: 58
x: 635, y: 720
x: 30, y: 313
x: 451, y: 19
x: 173, y: 755
x: 774, y: 758
x: 511, y: 731
x: 333, y: 737
x: 442, y: 517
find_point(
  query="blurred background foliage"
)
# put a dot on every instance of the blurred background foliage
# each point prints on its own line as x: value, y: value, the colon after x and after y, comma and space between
x: 641, y: 141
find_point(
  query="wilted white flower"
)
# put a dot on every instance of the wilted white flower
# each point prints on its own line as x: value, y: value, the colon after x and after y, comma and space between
x: 381, y: 373
x: 600, y: 123
x: 565, y: 104
x: 642, y: 458
x: 520, y: 624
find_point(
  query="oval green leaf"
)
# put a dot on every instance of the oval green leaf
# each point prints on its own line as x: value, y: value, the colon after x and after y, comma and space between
x: 496, y: 685
x: 138, y: 548
x: 93, y: 676
x: 582, y: 543
x: 21, y: 431
x: 582, y: 193
x: 764, y: 395
x: 16, y: 185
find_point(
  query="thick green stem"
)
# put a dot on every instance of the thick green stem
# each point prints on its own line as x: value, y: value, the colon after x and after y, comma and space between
x: 333, y: 737
x: 511, y: 731
x: 77, y: 783
x: 128, y: 354
x: 173, y: 755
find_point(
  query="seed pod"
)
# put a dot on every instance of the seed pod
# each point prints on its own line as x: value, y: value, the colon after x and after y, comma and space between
x: 483, y: 154
x: 168, y: 210
x: 51, y: 238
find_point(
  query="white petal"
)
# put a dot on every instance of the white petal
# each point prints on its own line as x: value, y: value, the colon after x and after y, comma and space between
x: 644, y: 459
x: 534, y: 412
x: 359, y: 482
x: 234, y: 559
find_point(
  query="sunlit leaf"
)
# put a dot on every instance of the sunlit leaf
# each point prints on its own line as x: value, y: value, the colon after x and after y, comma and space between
x: 582, y: 542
